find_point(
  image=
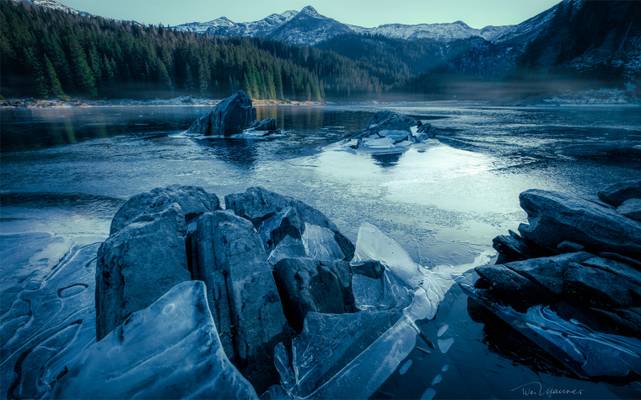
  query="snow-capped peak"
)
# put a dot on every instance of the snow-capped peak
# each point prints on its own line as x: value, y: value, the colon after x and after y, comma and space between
x: 310, y: 11
x: 51, y: 5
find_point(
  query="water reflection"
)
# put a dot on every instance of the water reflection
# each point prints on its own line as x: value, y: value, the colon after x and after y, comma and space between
x: 241, y: 153
x: 387, y: 160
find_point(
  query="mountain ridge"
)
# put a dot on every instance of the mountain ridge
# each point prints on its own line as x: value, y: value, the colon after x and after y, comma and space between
x: 327, y: 28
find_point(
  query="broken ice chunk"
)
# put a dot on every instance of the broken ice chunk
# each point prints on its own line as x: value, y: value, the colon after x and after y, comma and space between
x: 372, y: 244
x: 143, y: 359
x: 320, y: 243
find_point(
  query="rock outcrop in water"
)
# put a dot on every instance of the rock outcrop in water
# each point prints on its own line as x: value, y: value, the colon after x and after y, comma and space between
x: 570, y: 281
x: 278, y: 281
x: 388, y: 132
x: 232, y: 115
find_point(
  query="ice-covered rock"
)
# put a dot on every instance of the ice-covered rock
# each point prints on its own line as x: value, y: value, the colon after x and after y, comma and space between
x: 289, y: 247
x: 284, y: 223
x: 555, y: 217
x: 618, y: 193
x: 307, y: 285
x: 370, y: 268
x: 327, y: 345
x: 257, y: 205
x: 138, y: 264
x: 193, y: 201
x: 631, y: 208
x: 228, y: 255
x: 232, y: 115
x: 388, y: 133
x: 167, y: 350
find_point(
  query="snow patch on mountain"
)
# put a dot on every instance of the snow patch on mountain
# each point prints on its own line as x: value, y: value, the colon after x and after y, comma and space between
x: 51, y: 5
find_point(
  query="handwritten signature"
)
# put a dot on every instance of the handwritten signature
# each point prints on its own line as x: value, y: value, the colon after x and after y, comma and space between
x: 536, y: 389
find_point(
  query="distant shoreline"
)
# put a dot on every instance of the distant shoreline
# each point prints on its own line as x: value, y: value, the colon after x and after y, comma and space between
x: 30, y: 103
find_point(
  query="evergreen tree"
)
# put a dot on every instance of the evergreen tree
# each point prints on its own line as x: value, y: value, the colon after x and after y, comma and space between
x: 54, y: 86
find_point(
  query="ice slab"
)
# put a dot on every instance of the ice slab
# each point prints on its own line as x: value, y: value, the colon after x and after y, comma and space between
x: 169, y: 350
x: 320, y: 243
x: 48, y: 310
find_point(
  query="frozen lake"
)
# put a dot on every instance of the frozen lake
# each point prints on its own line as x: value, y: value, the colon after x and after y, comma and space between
x: 66, y: 171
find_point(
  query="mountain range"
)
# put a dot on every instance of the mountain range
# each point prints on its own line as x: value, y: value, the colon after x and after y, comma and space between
x: 308, y: 27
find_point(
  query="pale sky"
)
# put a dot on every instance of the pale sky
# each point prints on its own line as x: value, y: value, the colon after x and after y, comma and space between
x: 476, y: 13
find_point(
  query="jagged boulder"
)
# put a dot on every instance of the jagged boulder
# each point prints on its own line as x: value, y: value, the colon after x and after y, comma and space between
x: 138, y: 264
x: 228, y: 255
x: 145, y: 253
x: 308, y: 285
x: 232, y: 115
x: 512, y: 247
x: 555, y: 217
x: 168, y: 350
x: 581, y: 278
x: 193, y: 201
x: 258, y: 205
x: 618, y: 193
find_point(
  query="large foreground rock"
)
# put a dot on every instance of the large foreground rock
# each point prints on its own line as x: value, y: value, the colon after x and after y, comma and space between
x: 555, y: 217
x: 228, y: 255
x: 193, y: 201
x: 137, y: 265
x: 232, y: 115
x: 168, y: 350
x: 145, y: 253
x: 258, y: 205
x: 308, y: 285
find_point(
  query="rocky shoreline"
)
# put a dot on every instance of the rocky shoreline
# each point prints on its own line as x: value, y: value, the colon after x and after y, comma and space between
x: 570, y: 280
x: 31, y: 103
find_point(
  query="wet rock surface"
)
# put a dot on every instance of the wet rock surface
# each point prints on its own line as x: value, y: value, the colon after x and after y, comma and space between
x: 571, y: 282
